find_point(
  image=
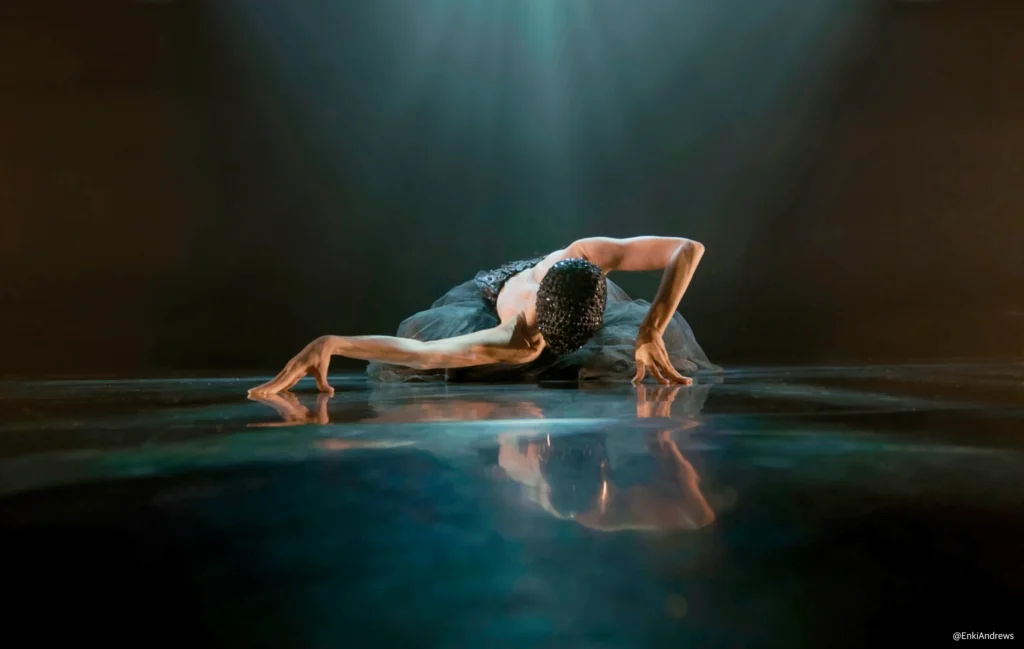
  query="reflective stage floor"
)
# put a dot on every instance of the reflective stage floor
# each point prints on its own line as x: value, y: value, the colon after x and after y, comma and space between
x: 801, y: 507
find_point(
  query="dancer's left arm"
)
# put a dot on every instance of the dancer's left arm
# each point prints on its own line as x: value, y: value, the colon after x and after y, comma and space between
x: 679, y: 258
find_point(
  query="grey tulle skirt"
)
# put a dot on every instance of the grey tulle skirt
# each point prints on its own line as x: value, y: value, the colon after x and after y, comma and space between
x: 609, y: 355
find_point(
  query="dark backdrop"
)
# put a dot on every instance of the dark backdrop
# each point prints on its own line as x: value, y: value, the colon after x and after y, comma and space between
x: 205, y: 186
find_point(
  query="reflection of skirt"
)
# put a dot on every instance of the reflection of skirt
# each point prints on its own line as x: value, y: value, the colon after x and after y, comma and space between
x: 608, y: 355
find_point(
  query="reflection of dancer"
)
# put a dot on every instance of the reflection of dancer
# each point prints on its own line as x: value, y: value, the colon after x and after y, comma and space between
x: 552, y: 317
x: 571, y: 476
x: 575, y: 477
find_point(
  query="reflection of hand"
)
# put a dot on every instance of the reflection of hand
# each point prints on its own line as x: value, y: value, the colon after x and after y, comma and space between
x: 659, y: 404
x: 292, y: 410
x: 651, y: 356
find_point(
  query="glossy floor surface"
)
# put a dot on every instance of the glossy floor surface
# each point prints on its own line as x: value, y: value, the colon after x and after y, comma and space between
x: 801, y: 507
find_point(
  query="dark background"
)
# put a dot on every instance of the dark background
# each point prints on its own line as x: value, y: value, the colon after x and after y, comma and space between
x: 201, y: 187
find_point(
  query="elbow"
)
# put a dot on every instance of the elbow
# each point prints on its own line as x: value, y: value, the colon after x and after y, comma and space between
x: 428, y: 362
x: 422, y: 356
x: 692, y: 249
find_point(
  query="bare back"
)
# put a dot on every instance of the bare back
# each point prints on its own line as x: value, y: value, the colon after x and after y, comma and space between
x: 517, y: 301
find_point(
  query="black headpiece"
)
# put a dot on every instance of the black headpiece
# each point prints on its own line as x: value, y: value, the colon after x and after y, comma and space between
x: 570, y: 304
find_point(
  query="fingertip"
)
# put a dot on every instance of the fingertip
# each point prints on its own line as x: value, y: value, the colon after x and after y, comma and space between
x: 323, y: 386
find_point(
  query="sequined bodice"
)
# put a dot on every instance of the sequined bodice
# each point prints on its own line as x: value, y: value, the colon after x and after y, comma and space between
x: 492, y: 281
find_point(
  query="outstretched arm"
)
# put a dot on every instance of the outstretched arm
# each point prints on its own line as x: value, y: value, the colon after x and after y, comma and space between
x: 678, y: 257
x: 502, y: 344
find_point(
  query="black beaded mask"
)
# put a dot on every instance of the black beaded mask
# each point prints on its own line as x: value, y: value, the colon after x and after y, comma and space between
x: 570, y: 304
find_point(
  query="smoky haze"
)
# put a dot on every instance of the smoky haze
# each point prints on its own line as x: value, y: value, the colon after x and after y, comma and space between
x: 205, y: 186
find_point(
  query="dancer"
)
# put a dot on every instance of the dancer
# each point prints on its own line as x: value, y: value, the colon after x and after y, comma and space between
x: 553, y: 317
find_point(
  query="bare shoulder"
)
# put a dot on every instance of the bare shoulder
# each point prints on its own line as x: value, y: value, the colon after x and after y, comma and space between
x: 541, y: 269
x: 633, y: 253
x: 593, y: 249
x: 647, y: 252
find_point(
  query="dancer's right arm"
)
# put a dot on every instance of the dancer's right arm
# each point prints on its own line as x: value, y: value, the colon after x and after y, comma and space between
x: 502, y: 344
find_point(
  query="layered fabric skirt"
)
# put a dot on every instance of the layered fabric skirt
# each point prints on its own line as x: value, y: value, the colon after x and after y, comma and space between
x: 609, y: 355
